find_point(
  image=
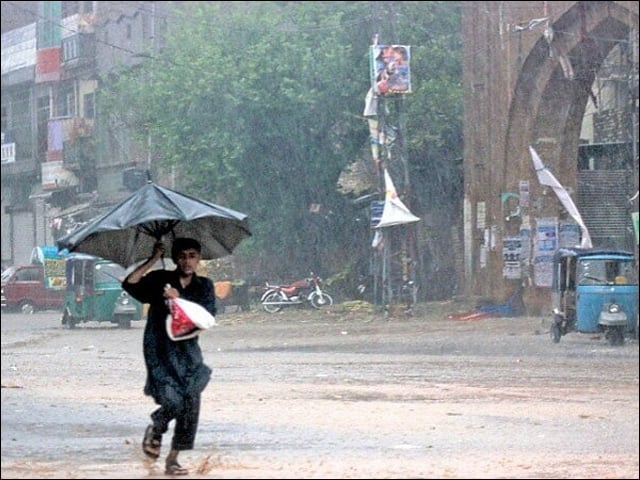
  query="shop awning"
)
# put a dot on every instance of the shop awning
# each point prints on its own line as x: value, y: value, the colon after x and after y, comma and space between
x: 75, y: 209
x: 38, y: 192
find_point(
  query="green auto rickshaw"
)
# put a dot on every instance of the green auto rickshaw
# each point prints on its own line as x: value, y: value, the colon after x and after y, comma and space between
x: 94, y: 293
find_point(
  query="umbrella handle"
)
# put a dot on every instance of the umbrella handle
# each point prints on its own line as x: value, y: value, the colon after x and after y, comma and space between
x: 161, y: 239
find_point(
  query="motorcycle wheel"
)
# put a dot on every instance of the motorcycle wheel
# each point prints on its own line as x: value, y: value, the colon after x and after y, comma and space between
x: 319, y: 300
x: 271, y: 297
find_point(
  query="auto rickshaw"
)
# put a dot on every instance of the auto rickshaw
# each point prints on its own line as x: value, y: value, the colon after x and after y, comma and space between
x: 94, y: 293
x: 594, y: 291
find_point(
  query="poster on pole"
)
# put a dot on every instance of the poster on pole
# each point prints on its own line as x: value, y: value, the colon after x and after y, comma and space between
x: 390, y: 67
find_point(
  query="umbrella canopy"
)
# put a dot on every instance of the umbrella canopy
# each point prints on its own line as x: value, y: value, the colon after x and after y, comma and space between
x: 126, y: 234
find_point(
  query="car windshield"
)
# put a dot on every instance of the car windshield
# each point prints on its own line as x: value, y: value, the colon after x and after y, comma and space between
x: 109, y: 273
x: 607, y: 271
x: 6, y: 274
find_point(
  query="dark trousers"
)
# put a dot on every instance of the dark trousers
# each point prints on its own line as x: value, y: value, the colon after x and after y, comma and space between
x: 185, y: 410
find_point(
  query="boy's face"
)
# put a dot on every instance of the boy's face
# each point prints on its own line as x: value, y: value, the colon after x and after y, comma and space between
x: 187, y: 261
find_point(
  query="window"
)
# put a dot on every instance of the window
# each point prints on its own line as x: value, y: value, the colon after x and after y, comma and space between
x: 27, y: 275
x: 48, y: 29
x: 89, y: 105
x: 5, y: 117
x: 43, y: 114
x: 70, y: 48
x: 66, y: 102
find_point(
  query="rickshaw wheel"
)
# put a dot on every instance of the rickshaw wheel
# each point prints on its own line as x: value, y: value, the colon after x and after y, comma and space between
x: 554, y: 331
x: 616, y: 336
x: 124, y: 322
x: 68, y: 320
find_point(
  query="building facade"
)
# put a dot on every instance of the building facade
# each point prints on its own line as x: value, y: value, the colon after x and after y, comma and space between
x: 60, y: 167
x: 561, y: 77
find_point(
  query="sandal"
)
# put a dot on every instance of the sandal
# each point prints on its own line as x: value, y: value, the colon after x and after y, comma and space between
x: 175, y: 469
x: 151, y: 443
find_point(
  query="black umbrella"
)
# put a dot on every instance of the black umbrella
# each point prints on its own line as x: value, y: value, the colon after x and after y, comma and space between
x: 126, y: 234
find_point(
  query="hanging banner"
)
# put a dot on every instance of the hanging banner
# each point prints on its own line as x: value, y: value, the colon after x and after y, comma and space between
x: 546, y: 178
x: 394, y: 212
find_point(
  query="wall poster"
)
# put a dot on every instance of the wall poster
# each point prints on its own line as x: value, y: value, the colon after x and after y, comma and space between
x: 545, y: 246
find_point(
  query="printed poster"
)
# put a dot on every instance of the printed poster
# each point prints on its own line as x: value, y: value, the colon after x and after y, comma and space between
x: 568, y: 234
x: 545, y: 246
x: 512, y: 255
x: 390, y: 69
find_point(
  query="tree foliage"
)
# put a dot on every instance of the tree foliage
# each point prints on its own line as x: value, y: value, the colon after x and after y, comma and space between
x: 258, y: 106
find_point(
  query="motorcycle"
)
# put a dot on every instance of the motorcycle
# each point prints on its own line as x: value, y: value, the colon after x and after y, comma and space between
x: 306, y: 290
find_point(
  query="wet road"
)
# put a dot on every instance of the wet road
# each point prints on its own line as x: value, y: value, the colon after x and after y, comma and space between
x: 329, y: 395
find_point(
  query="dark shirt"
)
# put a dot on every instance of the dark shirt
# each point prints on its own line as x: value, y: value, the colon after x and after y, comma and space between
x: 175, y: 364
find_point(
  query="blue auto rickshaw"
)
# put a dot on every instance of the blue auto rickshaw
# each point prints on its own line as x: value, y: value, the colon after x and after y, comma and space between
x: 94, y: 293
x: 594, y: 291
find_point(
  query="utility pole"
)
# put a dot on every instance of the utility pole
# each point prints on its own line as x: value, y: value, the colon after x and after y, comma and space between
x: 390, y: 83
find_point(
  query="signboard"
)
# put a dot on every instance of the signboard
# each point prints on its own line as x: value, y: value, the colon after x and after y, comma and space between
x: 8, y: 153
x: 376, y: 209
x: 53, y: 263
x: 54, y: 176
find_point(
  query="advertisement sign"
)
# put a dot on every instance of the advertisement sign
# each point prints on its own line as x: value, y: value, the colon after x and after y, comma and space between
x: 54, y: 265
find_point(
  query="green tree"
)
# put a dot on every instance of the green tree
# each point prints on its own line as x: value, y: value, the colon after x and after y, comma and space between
x: 258, y: 106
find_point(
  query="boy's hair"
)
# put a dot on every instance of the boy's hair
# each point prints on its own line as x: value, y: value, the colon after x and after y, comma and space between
x: 182, y: 244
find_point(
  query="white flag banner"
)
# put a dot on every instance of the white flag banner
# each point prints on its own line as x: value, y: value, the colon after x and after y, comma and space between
x: 395, y: 212
x: 546, y: 178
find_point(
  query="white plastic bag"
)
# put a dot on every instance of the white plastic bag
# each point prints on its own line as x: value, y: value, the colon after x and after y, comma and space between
x: 187, y: 319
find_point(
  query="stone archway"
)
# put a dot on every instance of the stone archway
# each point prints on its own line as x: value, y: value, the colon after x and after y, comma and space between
x: 550, y: 98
